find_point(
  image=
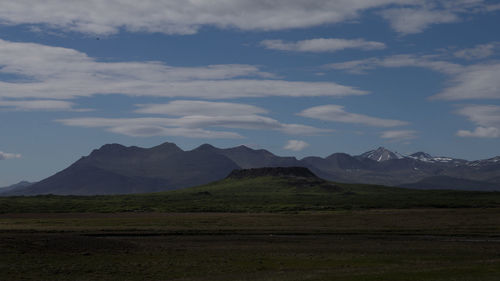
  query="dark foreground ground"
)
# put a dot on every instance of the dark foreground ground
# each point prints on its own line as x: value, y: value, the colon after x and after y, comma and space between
x: 418, y: 244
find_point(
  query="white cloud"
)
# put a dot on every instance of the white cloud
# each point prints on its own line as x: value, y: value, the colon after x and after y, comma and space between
x: 149, y: 131
x: 397, y: 61
x: 481, y: 81
x: 399, y: 135
x: 182, y: 17
x: 323, y: 45
x: 478, y: 81
x: 191, y: 107
x: 485, y: 117
x: 187, y: 17
x: 336, y: 113
x: 148, y: 127
x: 415, y: 20
x: 296, y: 145
x: 416, y: 16
x: 59, y: 73
x: 478, y: 52
x: 5, y: 155
x: 50, y: 105
x: 193, y: 126
x: 480, y: 132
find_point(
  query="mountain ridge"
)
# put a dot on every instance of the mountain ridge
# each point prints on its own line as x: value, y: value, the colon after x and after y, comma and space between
x: 118, y: 169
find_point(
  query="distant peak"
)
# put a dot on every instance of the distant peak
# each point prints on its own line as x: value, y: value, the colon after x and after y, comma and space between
x: 337, y: 155
x: 381, y: 154
x: 167, y: 146
x: 205, y: 147
x: 110, y: 146
x: 114, y: 149
x: 243, y: 147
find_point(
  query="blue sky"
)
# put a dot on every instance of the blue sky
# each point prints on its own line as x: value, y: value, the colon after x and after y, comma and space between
x: 304, y: 77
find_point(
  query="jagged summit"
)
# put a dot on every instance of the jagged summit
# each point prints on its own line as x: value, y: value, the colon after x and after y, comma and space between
x: 245, y: 149
x: 381, y: 154
x: 167, y: 146
x: 297, y: 172
x: 205, y: 147
x: 242, y: 147
x: 113, y: 149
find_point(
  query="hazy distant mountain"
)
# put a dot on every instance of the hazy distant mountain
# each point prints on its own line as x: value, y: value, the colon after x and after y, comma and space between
x: 382, y: 166
x: 445, y: 182
x: 116, y: 169
x: 16, y: 186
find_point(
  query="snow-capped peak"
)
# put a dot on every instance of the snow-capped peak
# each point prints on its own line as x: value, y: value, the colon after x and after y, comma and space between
x: 426, y: 157
x: 381, y: 154
x: 422, y: 156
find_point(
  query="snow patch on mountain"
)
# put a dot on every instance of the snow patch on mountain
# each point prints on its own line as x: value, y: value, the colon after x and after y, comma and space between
x: 381, y: 154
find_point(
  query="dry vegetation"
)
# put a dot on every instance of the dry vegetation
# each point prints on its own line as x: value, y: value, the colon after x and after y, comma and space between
x: 424, y: 244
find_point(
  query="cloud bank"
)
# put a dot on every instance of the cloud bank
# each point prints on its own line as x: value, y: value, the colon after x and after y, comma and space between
x: 197, y: 120
x: 192, y: 107
x: 476, y: 81
x: 336, y: 113
x: 187, y: 17
x: 485, y: 117
x: 46, y: 72
x: 478, y: 52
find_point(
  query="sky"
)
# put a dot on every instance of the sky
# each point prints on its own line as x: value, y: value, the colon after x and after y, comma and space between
x: 298, y: 78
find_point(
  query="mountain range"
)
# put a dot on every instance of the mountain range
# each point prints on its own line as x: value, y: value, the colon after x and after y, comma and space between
x: 117, y: 169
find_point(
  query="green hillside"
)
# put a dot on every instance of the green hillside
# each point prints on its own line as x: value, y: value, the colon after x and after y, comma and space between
x: 257, y: 194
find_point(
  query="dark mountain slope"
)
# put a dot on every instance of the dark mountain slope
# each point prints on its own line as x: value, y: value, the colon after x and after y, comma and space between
x: 80, y: 179
x: 247, y: 158
x: 116, y: 169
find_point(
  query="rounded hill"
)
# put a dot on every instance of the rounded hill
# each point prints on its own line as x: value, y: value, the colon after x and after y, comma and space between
x: 296, y: 172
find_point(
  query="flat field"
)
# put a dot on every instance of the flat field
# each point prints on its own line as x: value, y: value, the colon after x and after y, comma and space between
x: 379, y: 244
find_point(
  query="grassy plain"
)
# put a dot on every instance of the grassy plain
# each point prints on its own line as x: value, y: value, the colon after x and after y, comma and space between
x: 403, y: 244
x: 254, y: 229
x: 262, y: 194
